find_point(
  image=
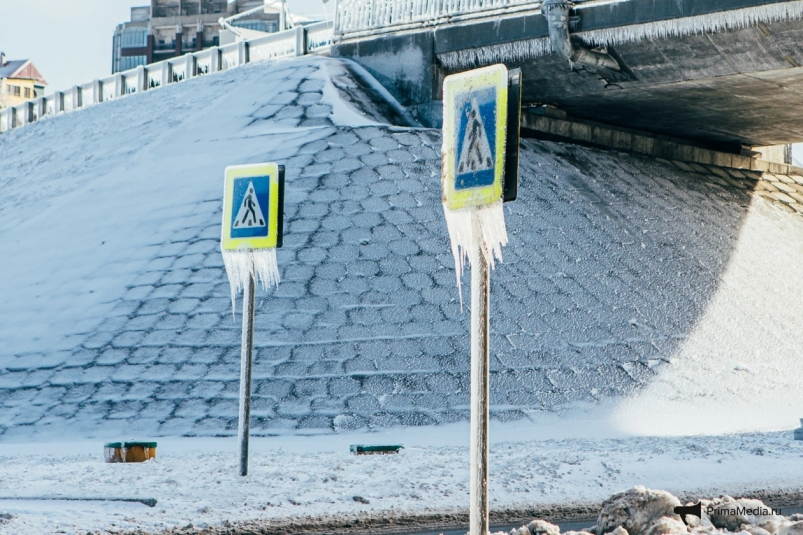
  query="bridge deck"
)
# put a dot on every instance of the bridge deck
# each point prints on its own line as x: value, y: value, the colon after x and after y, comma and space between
x: 724, y: 72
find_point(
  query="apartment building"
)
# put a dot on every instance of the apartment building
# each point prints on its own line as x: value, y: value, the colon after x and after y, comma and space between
x: 169, y: 28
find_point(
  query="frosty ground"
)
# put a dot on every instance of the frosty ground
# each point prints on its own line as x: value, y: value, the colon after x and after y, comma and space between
x: 637, y: 297
x: 314, y: 484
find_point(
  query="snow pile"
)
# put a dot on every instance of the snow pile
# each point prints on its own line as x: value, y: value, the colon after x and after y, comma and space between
x: 637, y: 511
x: 642, y: 511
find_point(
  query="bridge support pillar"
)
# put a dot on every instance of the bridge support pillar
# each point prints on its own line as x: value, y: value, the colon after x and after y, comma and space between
x: 97, y: 91
x: 189, y: 69
x: 142, y: 79
x: 301, y: 41
x: 242, y: 53
x: 76, y: 97
x: 119, y: 85
x: 405, y: 65
x: 167, y: 74
x: 39, y: 107
x: 214, y: 59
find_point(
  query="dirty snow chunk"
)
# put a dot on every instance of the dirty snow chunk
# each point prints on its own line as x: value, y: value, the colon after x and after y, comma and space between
x: 790, y: 528
x: 754, y: 530
x: 730, y: 514
x: 538, y: 527
x: 636, y: 510
x: 667, y: 526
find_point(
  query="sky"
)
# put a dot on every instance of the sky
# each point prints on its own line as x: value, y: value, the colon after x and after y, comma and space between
x: 70, y: 41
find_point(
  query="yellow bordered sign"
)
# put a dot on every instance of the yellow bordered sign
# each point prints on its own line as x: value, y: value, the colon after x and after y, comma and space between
x: 253, y: 199
x: 474, y: 135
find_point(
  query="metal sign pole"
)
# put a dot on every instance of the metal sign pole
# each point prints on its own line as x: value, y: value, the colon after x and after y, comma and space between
x: 480, y: 386
x: 246, y: 361
x: 251, y: 231
x: 475, y: 183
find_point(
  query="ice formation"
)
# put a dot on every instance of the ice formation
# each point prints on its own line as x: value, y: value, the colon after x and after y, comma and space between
x: 736, y: 19
x: 260, y: 264
x: 471, y: 227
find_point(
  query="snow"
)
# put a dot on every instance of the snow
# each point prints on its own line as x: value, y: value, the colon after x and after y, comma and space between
x: 634, y: 293
x: 756, y: 389
x: 195, y: 480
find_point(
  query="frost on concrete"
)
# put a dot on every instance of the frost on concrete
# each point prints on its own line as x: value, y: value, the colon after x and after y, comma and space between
x: 623, y: 274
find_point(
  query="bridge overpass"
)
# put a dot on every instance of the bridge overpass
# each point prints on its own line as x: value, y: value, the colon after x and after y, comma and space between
x: 722, y: 74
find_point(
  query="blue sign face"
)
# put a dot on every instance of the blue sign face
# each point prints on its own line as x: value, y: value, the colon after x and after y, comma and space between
x: 250, y: 209
x: 475, y: 156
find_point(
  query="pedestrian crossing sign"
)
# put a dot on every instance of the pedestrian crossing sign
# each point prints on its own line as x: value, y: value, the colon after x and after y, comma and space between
x: 252, y: 204
x: 474, y: 135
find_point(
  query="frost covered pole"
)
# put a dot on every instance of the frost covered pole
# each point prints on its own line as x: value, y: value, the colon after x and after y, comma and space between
x: 246, y: 363
x: 480, y: 387
x: 475, y: 129
x: 253, y: 214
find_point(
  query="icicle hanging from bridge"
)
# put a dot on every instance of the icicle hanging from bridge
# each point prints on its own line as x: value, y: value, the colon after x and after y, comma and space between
x: 735, y: 19
x: 486, y: 55
x: 259, y: 263
x: 482, y: 226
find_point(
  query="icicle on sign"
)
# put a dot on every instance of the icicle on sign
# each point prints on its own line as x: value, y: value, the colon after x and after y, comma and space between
x: 473, y: 161
x: 253, y: 201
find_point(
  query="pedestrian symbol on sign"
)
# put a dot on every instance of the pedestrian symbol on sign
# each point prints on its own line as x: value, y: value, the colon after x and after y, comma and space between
x: 475, y: 151
x: 250, y: 207
x: 249, y: 215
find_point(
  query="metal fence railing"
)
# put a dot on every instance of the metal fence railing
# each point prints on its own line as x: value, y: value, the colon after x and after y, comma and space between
x: 356, y: 18
x: 311, y: 39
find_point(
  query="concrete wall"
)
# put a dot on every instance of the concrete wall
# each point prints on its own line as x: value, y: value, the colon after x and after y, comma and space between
x: 405, y: 66
x: 776, y: 153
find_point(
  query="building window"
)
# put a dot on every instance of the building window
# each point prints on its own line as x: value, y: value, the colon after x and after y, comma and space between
x: 13, y: 90
x: 27, y: 92
x: 258, y: 25
x: 134, y: 38
x: 132, y: 62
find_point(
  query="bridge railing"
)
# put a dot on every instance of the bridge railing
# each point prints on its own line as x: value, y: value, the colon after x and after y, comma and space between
x: 311, y: 39
x: 356, y: 18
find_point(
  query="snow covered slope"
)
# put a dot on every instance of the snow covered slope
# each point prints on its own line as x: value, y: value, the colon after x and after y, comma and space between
x: 631, y: 288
